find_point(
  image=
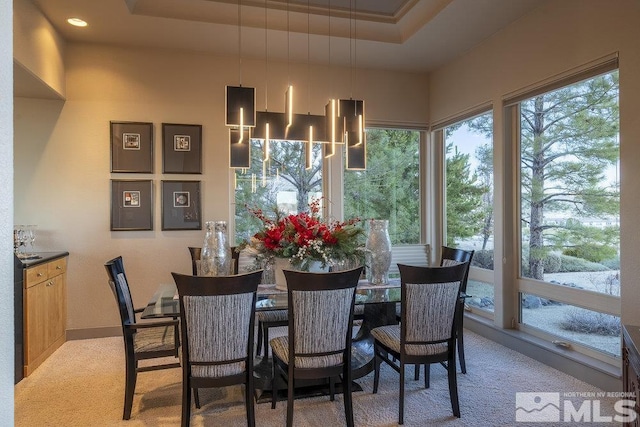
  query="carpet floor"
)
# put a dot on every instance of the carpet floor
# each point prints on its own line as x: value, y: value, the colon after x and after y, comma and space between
x: 82, y: 384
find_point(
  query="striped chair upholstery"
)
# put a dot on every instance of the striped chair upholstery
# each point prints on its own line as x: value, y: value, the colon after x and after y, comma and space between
x: 147, y: 340
x: 426, y: 334
x: 330, y: 310
x: 217, y: 331
x: 318, y: 342
x: 430, y: 311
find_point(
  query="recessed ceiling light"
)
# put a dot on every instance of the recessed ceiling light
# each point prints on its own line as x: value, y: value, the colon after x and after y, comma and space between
x: 77, y: 22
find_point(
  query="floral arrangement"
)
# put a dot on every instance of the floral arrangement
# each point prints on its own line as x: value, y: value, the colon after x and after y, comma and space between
x: 304, y: 237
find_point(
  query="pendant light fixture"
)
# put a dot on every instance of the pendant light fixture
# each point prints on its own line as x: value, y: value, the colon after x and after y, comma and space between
x: 352, y: 112
x: 288, y: 96
x: 240, y: 112
x: 331, y: 112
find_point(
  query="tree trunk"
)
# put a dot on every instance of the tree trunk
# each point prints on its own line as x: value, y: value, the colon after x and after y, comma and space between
x: 536, y: 241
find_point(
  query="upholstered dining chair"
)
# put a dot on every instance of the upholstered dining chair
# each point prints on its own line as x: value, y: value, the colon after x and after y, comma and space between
x: 318, y: 342
x: 142, y: 340
x: 426, y: 333
x: 274, y: 318
x: 217, y: 316
x: 196, y: 252
x: 451, y: 256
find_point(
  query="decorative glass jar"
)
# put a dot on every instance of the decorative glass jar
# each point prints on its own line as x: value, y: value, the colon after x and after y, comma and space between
x: 215, y: 258
x: 378, y: 252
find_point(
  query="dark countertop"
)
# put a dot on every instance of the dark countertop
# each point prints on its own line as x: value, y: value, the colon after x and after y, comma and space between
x: 44, y: 257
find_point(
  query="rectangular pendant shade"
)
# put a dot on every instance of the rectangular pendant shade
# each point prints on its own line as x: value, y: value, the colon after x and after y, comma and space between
x: 356, y: 151
x: 239, y: 152
x: 240, y: 99
x: 276, y: 125
x: 299, y: 130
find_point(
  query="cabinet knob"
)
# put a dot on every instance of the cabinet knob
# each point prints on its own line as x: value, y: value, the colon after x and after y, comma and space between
x: 58, y: 267
x: 50, y: 283
x: 40, y: 274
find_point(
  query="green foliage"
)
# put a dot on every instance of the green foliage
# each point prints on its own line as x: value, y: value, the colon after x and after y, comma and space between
x: 571, y: 264
x: 464, y: 197
x: 389, y: 187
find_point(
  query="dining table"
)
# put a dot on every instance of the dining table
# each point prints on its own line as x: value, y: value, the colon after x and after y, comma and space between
x: 379, y: 310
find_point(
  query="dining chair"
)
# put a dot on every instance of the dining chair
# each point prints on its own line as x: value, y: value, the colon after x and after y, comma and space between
x: 275, y: 318
x: 318, y: 342
x: 142, y: 341
x: 217, y: 316
x: 451, y: 256
x: 196, y: 252
x: 426, y: 334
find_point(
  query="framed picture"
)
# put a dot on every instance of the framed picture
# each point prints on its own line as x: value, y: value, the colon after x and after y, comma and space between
x: 181, y: 209
x: 132, y: 147
x: 181, y: 148
x: 131, y: 205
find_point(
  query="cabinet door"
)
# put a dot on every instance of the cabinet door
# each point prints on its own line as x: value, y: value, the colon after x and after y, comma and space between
x: 36, y: 326
x: 57, y: 308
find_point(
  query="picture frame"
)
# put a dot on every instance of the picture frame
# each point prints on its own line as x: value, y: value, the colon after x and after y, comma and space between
x: 131, y: 204
x: 131, y: 147
x: 181, y: 148
x: 181, y: 206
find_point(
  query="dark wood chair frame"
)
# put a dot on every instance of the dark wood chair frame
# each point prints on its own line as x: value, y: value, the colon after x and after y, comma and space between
x: 210, y: 286
x: 197, y: 252
x: 422, y: 275
x: 459, y: 255
x: 303, y: 281
x: 129, y: 329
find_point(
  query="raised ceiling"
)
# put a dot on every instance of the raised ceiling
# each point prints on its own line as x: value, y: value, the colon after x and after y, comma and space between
x: 408, y: 35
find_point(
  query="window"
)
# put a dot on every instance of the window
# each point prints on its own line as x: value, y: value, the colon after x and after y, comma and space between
x: 390, y: 186
x: 468, y: 148
x: 280, y: 183
x: 569, y: 204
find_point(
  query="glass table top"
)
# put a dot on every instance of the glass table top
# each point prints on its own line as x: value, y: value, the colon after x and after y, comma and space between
x: 164, y: 302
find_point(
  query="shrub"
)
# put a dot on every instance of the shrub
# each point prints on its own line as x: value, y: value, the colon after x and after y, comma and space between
x: 590, y: 322
x: 571, y: 264
x: 483, y: 259
x: 552, y: 263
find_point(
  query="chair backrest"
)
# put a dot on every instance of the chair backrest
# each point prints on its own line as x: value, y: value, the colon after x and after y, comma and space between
x: 320, y: 316
x: 196, y: 253
x: 452, y: 256
x: 217, y: 321
x: 120, y: 287
x: 429, y: 297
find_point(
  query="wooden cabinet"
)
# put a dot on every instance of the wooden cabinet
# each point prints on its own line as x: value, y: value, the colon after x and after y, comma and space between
x: 631, y: 365
x: 45, y: 311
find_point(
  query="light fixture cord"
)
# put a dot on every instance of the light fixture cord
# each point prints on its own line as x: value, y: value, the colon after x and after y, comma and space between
x: 350, y: 46
x: 355, y: 42
x: 288, y: 53
x: 308, y: 56
x: 240, y: 40
x: 266, y: 62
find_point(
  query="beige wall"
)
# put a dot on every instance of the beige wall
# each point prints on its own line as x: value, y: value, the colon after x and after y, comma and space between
x: 554, y: 38
x: 37, y: 46
x: 6, y: 215
x: 62, y: 153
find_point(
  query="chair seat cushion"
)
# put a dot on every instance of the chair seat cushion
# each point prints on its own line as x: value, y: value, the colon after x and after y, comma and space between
x: 280, y: 348
x: 154, y: 339
x: 390, y: 337
x: 272, y: 316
